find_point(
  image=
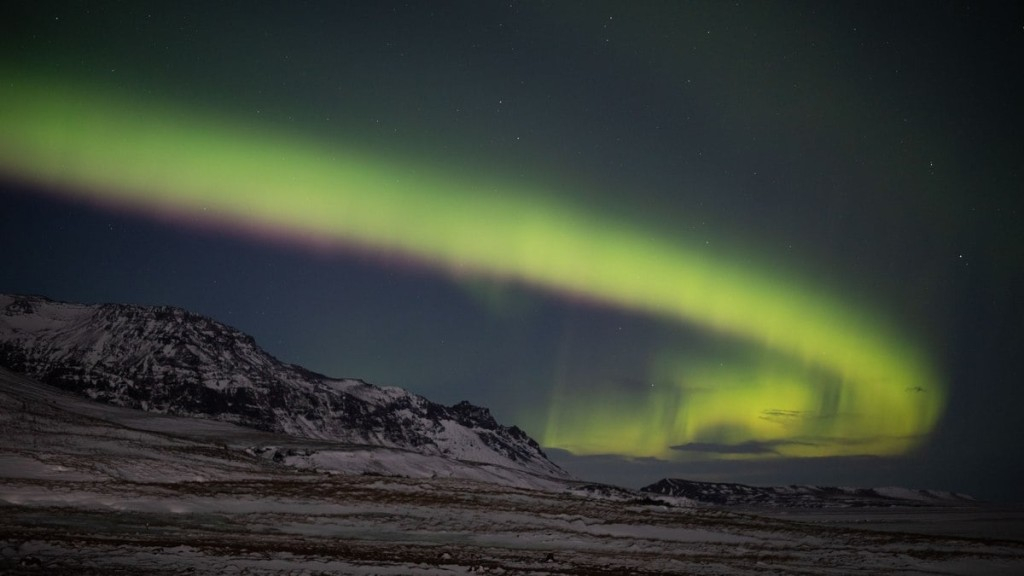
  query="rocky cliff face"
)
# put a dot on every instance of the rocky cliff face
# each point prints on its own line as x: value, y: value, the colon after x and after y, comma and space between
x: 168, y: 360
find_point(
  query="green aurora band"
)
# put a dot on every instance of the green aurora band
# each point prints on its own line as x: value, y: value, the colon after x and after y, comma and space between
x: 831, y: 379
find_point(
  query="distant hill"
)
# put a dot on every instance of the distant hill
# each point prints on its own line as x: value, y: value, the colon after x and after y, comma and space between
x: 803, y: 496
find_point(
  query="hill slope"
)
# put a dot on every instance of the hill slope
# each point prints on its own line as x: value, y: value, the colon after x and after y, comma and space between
x: 168, y: 360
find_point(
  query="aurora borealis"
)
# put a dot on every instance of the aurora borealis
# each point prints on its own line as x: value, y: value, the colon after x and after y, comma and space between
x: 762, y: 331
x: 299, y: 189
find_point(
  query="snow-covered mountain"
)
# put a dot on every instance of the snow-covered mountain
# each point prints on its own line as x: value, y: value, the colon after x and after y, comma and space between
x: 803, y: 496
x: 168, y: 360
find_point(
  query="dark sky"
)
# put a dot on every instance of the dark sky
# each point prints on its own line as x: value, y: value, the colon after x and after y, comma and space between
x: 832, y: 189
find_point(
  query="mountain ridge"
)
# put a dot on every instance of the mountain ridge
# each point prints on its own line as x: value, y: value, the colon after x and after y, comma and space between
x: 168, y: 360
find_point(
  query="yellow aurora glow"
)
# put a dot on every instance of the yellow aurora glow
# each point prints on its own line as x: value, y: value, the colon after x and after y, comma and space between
x: 837, y: 381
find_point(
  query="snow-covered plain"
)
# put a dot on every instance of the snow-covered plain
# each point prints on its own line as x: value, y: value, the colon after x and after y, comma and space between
x: 93, y: 489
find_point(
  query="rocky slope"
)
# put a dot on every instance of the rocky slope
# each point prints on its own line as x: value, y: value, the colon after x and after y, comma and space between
x: 167, y: 360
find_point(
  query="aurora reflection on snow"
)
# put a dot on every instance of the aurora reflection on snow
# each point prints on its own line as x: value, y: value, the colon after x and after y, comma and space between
x: 831, y: 379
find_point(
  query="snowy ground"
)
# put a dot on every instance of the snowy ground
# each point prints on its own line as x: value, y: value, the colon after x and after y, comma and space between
x: 91, y: 489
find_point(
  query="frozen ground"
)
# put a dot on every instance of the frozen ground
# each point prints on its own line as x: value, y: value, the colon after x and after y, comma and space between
x: 93, y: 489
x: 986, y: 522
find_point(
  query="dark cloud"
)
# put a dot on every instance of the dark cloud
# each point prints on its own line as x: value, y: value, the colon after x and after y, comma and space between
x: 748, y: 447
x: 786, y: 416
x: 784, y: 413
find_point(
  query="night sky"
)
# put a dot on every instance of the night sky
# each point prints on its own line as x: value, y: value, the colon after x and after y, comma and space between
x: 766, y: 242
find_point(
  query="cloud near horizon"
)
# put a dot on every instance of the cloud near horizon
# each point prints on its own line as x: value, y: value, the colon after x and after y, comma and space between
x: 747, y: 447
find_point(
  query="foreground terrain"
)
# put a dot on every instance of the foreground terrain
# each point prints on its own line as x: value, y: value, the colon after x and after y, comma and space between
x: 364, y: 525
x: 87, y: 488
